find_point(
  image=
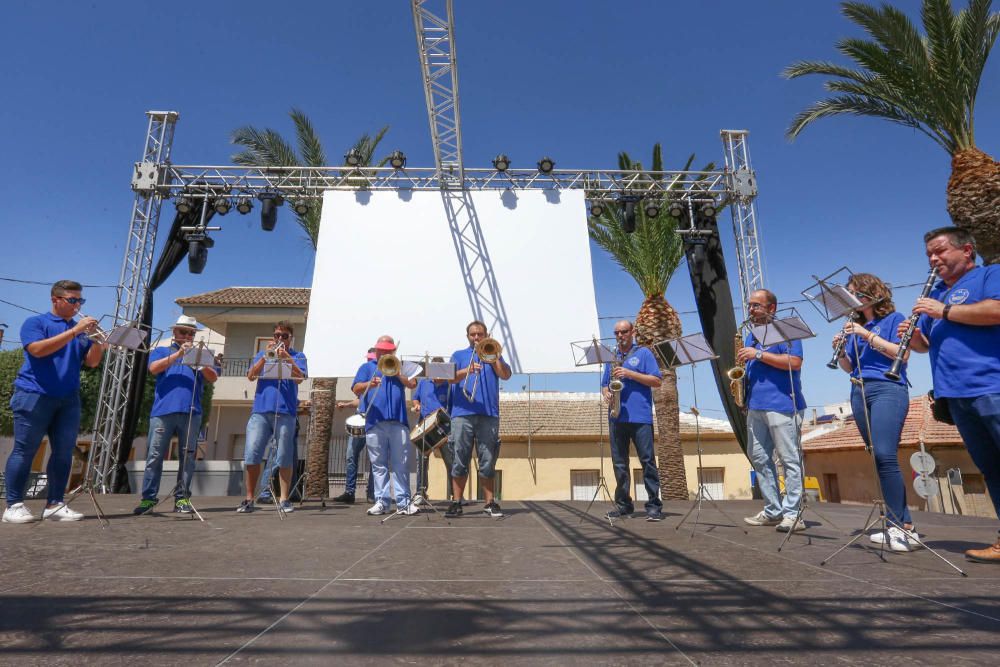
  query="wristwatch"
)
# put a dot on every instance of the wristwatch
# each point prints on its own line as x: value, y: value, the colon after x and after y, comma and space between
x: 757, y: 355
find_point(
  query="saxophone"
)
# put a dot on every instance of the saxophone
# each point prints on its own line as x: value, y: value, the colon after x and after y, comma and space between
x: 615, y: 386
x: 736, y: 374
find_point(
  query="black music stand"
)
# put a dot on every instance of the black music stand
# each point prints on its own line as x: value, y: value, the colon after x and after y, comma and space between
x: 590, y: 353
x: 678, y: 352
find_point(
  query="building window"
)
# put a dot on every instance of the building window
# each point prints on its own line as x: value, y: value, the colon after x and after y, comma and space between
x: 583, y: 484
x: 497, y: 486
x: 714, y: 481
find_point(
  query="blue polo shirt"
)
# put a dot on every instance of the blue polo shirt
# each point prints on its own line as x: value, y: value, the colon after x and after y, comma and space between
x: 284, y: 399
x: 965, y: 359
x: 58, y: 374
x: 432, y: 396
x: 874, y: 364
x: 487, y: 398
x: 172, y: 393
x: 767, y: 387
x: 637, y: 398
x: 387, y: 402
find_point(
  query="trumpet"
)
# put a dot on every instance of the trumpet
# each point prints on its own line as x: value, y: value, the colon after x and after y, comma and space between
x: 273, y: 352
x: 615, y: 386
x: 98, y: 335
x: 488, y: 351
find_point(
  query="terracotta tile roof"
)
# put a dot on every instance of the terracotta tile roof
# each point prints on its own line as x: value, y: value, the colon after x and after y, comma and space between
x: 846, y: 436
x: 562, y: 415
x: 250, y: 296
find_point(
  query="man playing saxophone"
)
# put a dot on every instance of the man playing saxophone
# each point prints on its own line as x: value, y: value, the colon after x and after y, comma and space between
x: 638, y: 374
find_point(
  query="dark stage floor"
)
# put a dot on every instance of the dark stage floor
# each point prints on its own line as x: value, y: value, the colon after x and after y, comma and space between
x: 545, y: 584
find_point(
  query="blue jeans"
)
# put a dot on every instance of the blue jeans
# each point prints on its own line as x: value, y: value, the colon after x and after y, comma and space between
x: 261, y: 428
x: 642, y: 435
x: 161, y: 430
x: 485, y: 431
x: 888, y: 403
x: 35, y: 416
x: 389, y: 450
x: 355, y: 446
x: 768, y: 432
x: 978, y: 422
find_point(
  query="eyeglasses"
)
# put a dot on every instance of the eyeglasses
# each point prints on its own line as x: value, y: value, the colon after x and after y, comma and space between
x: 284, y: 336
x: 753, y: 305
x: 73, y: 300
x: 859, y: 295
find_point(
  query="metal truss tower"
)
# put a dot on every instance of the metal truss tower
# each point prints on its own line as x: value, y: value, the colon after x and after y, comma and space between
x: 743, y: 184
x: 148, y: 180
x: 436, y: 45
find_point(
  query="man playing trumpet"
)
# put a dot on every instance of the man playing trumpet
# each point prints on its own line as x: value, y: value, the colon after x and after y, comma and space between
x: 475, y: 415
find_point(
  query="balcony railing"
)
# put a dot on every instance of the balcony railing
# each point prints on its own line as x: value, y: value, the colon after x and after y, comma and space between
x: 235, y: 366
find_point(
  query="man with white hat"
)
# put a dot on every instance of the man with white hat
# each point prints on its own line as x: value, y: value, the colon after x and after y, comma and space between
x: 176, y: 411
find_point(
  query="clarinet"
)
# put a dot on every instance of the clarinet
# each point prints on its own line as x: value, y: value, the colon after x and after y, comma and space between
x: 838, y: 351
x: 904, y: 341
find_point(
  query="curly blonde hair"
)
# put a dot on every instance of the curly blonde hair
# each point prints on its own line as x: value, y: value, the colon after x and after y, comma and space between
x: 877, y: 290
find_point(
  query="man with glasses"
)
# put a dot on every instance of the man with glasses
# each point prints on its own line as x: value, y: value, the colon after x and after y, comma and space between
x: 637, y: 370
x: 275, y: 414
x: 774, y: 421
x: 176, y: 411
x: 46, y: 400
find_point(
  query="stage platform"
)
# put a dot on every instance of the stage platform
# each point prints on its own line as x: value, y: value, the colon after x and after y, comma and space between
x: 546, y: 584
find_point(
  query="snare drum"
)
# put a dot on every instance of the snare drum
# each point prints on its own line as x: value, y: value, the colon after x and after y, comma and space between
x: 355, y: 426
x: 431, y: 432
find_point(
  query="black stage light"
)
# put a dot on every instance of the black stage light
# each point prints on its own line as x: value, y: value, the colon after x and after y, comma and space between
x: 596, y: 207
x: 652, y: 208
x: 269, y: 203
x: 546, y: 165
x: 353, y: 158
x: 222, y: 205
x: 628, y: 219
x: 676, y: 209
x: 301, y: 207
x: 197, y: 256
x: 708, y: 210
x: 244, y: 205
x: 501, y: 163
x: 183, y: 204
x: 397, y: 160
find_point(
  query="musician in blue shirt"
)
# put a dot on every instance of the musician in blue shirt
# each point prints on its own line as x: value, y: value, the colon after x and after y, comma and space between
x: 639, y: 374
x: 176, y: 411
x: 879, y: 404
x: 960, y: 327
x: 429, y: 397
x: 46, y: 400
x: 774, y: 419
x: 475, y: 417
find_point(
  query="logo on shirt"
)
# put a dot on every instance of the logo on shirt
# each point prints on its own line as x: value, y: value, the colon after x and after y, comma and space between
x: 877, y: 330
x: 633, y: 362
x: 959, y: 296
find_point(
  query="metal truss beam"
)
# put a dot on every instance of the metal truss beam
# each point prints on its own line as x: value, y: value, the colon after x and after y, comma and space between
x: 438, y: 64
x: 147, y: 182
x: 743, y: 183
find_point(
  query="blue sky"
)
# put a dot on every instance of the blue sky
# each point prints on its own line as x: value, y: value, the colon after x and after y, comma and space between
x: 574, y: 79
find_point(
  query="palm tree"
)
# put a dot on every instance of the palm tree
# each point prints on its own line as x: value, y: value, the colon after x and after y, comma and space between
x: 926, y: 82
x: 650, y: 255
x: 267, y: 148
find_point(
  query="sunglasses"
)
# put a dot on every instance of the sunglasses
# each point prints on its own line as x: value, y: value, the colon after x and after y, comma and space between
x: 284, y: 336
x: 624, y: 332
x: 73, y: 300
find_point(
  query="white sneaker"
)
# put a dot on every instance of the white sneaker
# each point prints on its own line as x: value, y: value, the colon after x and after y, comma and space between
x: 791, y: 524
x: 898, y: 539
x: 377, y: 509
x: 417, y: 500
x: 762, y: 519
x: 911, y: 538
x: 61, y: 512
x: 18, y: 513
x: 412, y: 508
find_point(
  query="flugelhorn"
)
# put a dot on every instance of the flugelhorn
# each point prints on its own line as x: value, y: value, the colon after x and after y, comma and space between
x: 894, y: 371
x: 488, y: 351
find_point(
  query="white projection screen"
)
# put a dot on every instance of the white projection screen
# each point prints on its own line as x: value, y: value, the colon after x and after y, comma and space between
x: 419, y: 266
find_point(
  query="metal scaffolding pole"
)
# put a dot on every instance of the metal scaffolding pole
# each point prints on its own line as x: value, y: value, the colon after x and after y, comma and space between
x: 742, y: 184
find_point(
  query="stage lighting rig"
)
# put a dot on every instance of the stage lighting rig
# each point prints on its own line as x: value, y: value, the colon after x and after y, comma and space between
x: 676, y: 209
x: 397, y: 160
x: 707, y: 209
x: 183, y: 204
x: 300, y: 206
x: 269, y: 203
x: 652, y: 208
x: 628, y: 203
x: 501, y: 163
x: 244, y: 205
x: 353, y: 158
x: 596, y: 207
x: 198, y: 242
x: 546, y: 165
x: 222, y: 205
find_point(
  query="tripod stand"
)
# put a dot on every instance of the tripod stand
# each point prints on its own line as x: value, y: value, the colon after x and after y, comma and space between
x: 596, y: 353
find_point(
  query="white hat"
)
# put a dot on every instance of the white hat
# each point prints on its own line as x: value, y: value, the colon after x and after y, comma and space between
x: 186, y: 322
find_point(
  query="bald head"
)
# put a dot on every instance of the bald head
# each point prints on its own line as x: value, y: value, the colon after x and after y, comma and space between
x: 623, y: 334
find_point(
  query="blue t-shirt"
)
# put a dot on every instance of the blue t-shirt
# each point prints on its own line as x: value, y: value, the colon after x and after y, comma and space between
x: 58, y: 374
x: 767, y: 387
x: 487, y: 398
x: 874, y: 364
x: 965, y: 359
x: 284, y: 399
x: 386, y: 402
x: 432, y: 396
x: 637, y: 398
x: 173, y: 386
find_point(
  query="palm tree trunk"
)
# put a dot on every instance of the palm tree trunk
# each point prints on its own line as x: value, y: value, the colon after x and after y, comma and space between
x: 322, y: 399
x: 974, y: 199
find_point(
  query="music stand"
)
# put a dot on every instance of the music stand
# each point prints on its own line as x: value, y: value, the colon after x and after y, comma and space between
x: 590, y: 353
x: 678, y: 352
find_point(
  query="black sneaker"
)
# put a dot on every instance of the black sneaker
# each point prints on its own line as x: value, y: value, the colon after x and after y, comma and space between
x: 183, y: 506
x: 492, y: 509
x: 144, y: 507
x: 620, y: 513
x: 654, y: 516
x: 346, y: 498
x: 245, y: 507
x: 454, y: 510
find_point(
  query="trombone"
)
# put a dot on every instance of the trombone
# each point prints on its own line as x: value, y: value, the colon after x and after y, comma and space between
x: 389, y: 366
x: 488, y: 351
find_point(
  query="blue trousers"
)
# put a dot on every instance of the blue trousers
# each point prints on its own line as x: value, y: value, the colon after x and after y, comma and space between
x: 888, y: 403
x: 356, y: 445
x: 642, y: 436
x: 978, y: 421
x: 35, y: 416
x: 161, y: 430
x: 769, y: 432
x: 389, y: 450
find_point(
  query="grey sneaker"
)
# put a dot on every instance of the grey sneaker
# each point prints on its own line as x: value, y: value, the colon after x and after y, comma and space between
x: 246, y: 507
x: 762, y: 519
x: 791, y: 524
x: 377, y: 509
x: 493, y: 509
x: 286, y: 506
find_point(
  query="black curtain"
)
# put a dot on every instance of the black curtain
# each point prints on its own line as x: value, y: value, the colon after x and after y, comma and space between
x: 173, y: 252
x: 710, y: 283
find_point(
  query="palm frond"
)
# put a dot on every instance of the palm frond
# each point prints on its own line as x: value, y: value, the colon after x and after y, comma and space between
x: 264, y: 147
x: 310, y: 147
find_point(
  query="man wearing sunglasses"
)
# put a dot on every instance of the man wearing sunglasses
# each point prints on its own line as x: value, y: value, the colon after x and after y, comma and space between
x: 46, y: 400
x: 275, y: 414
